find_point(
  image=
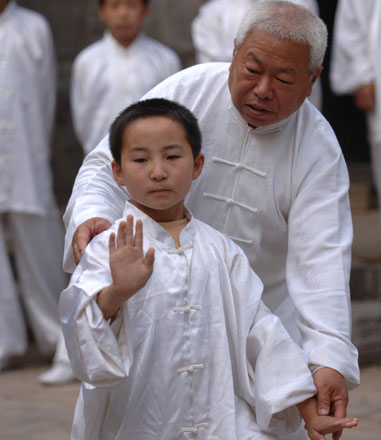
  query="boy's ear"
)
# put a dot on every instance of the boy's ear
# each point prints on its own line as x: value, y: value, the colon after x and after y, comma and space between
x: 198, y: 165
x: 117, y: 173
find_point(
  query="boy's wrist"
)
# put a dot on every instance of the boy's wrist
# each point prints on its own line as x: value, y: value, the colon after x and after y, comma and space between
x: 111, y: 299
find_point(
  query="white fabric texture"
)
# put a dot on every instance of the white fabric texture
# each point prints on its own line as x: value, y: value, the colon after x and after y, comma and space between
x: 27, y: 102
x: 356, y: 61
x: 107, y: 77
x: 215, y: 27
x: 280, y: 191
x: 194, y: 353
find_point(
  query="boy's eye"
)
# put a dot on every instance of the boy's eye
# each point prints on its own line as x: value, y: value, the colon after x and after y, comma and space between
x: 173, y: 156
x: 140, y: 160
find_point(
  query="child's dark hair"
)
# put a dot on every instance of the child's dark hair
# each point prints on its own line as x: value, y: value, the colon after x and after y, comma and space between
x: 102, y: 1
x: 150, y: 108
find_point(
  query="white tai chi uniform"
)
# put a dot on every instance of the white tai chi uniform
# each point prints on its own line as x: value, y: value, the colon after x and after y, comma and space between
x: 107, y: 77
x: 27, y: 101
x: 193, y: 354
x: 280, y: 191
x: 215, y: 28
x: 356, y: 61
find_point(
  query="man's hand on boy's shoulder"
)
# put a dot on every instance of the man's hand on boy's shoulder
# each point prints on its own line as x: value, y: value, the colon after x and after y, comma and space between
x: 85, y: 232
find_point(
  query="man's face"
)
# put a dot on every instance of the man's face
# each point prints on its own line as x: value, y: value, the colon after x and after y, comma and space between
x: 124, y: 18
x: 269, y: 78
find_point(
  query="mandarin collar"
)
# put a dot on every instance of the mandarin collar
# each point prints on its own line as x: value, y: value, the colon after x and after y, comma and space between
x: 115, y: 45
x: 153, y: 229
x: 267, y: 129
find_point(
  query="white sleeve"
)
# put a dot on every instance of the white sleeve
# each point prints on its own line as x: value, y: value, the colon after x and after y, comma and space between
x: 95, y: 194
x: 351, y: 64
x: 98, y: 351
x: 319, y: 261
x: 272, y: 371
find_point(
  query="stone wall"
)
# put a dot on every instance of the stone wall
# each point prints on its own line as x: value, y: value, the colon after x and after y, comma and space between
x: 75, y: 25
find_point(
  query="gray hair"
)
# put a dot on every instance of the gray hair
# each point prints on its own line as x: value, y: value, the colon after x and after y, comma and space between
x: 289, y: 21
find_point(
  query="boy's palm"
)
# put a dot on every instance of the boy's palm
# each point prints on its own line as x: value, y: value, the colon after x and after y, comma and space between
x: 130, y: 268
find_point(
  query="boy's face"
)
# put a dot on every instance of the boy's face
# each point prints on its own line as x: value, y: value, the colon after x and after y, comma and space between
x: 157, y: 166
x: 124, y: 18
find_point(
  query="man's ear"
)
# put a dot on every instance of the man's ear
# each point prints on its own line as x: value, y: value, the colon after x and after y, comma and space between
x: 314, y: 77
x: 117, y: 173
x: 198, y: 165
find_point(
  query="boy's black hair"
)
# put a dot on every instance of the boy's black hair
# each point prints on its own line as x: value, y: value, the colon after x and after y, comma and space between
x: 102, y: 1
x: 150, y: 108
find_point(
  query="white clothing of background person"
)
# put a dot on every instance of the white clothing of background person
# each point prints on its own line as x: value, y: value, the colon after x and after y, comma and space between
x: 193, y: 353
x: 292, y: 221
x: 215, y: 27
x: 356, y: 62
x: 27, y: 205
x: 107, y: 77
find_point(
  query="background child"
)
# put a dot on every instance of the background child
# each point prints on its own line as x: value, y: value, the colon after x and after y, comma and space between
x: 117, y: 70
x: 171, y: 338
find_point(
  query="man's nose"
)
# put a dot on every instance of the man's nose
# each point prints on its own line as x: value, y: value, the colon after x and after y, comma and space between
x: 263, y: 89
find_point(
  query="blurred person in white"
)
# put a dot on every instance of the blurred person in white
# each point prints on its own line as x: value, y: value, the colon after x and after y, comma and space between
x: 356, y: 67
x: 215, y: 27
x: 275, y: 181
x: 117, y: 70
x: 29, y: 217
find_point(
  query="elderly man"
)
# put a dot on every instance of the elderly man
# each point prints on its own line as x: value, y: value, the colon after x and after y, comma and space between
x: 274, y: 180
x: 215, y: 26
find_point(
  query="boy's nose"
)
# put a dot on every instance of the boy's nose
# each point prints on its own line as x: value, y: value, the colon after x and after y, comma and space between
x: 158, y: 172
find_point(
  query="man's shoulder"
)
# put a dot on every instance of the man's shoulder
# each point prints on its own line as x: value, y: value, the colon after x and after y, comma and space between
x: 156, y: 46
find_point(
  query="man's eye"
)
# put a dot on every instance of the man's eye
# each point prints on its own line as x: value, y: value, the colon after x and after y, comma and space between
x: 253, y: 71
x: 283, y: 81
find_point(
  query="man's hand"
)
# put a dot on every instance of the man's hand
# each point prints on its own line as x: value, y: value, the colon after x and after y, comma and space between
x: 85, y: 232
x: 365, y: 98
x: 332, y: 395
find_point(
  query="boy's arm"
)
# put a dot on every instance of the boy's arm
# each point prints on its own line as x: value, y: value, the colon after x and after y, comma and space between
x: 318, y: 426
x: 130, y: 268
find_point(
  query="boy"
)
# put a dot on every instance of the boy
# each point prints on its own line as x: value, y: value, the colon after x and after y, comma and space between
x: 28, y: 213
x: 117, y: 70
x: 171, y: 338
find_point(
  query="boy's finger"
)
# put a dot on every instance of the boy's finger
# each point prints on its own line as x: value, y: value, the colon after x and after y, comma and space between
x: 150, y: 257
x: 129, y: 231
x: 111, y: 243
x: 120, y: 238
x: 138, y: 239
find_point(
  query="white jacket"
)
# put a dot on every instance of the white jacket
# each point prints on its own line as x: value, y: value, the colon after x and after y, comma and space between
x: 194, y: 353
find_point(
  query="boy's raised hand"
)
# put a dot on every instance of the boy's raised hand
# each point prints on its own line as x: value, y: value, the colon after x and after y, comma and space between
x: 130, y: 268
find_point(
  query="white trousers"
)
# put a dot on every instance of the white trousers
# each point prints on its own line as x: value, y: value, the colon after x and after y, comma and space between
x: 37, y: 244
